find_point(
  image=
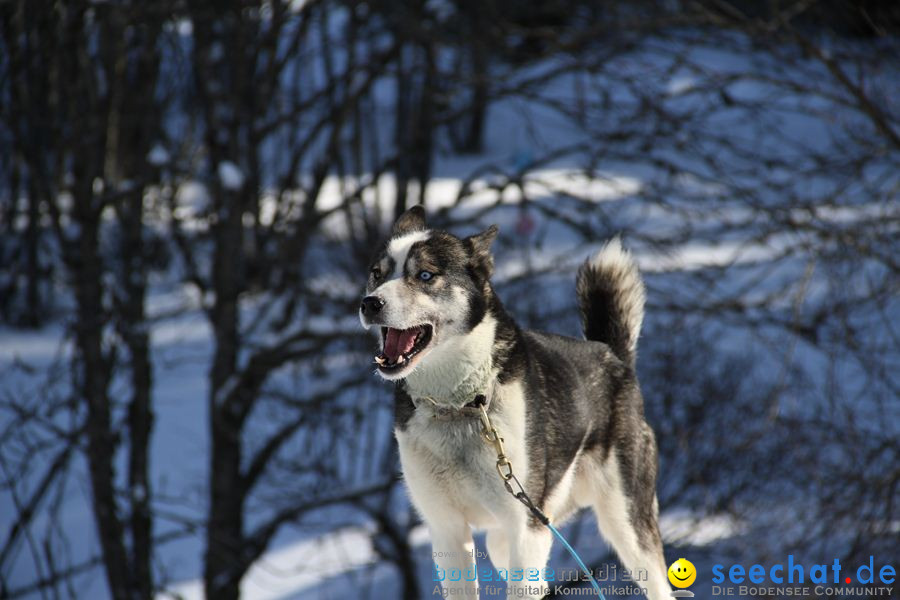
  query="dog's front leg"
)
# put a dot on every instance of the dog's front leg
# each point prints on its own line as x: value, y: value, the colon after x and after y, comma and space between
x: 454, y: 555
x: 529, y: 551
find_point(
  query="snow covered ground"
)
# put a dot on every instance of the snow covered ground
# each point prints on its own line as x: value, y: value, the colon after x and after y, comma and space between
x: 325, y: 567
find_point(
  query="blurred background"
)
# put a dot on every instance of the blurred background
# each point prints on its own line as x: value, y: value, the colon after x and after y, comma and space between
x: 190, y: 191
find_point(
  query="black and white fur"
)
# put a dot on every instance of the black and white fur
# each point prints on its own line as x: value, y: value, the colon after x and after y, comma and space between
x: 570, y: 411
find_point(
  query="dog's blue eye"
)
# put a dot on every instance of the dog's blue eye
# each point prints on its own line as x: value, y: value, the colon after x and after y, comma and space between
x: 425, y: 275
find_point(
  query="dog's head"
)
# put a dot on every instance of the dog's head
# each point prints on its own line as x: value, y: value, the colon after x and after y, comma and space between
x: 425, y: 288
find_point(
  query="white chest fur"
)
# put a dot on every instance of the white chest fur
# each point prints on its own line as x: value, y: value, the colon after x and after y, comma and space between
x: 450, y: 469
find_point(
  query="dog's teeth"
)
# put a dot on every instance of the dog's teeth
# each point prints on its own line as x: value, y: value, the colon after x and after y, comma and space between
x: 379, y: 359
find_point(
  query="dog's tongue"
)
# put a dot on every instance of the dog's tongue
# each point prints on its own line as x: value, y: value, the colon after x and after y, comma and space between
x: 398, y: 342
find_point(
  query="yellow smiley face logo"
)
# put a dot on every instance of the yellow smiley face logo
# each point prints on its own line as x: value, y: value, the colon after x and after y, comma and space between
x: 682, y: 573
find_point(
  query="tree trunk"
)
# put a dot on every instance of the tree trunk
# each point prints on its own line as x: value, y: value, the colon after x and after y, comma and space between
x: 33, y: 275
x: 92, y: 381
x: 225, y: 530
x: 136, y: 74
x: 133, y: 329
x: 402, y: 126
x: 474, y: 136
x: 422, y: 147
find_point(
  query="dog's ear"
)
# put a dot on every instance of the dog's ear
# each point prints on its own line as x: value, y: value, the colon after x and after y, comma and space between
x: 480, y: 248
x: 412, y: 220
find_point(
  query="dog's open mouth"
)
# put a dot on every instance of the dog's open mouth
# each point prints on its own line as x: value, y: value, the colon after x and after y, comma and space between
x: 400, y: 346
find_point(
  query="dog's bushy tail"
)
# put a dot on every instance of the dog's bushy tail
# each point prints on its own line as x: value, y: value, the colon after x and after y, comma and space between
x: 611, y: 297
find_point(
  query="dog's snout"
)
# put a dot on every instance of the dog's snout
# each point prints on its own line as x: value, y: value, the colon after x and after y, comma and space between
x: 371, y: 305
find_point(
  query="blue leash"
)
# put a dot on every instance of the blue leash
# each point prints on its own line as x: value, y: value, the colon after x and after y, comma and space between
x: 577, y: 558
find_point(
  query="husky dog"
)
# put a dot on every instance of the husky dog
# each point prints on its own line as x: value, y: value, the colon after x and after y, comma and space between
x: 570, y: 411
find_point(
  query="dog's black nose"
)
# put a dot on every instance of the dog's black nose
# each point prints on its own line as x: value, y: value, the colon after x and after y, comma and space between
x: 371, y: 305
